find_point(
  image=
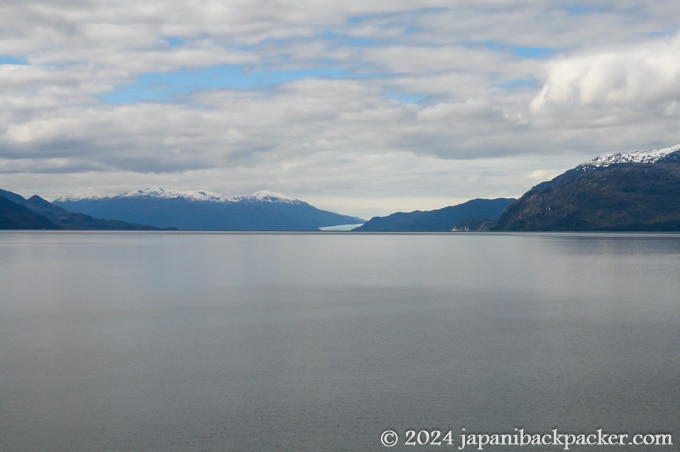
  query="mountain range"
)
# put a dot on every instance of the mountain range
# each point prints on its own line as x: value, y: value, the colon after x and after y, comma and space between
x: 636, y: 191
x: 207, y: 211
x: 626, y: 191
x: 475, y: 215
x: 16, y: 212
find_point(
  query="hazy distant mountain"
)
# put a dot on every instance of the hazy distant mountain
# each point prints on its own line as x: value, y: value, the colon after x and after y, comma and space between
x: 441, y: 220
x: 17, y: 212
x: 206, y: 211
x: 637, y: 191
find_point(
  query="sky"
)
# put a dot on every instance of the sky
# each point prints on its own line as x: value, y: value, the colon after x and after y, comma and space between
x: 363, y: 107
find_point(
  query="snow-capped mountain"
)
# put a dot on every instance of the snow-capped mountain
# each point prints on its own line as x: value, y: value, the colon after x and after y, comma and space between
x: 203, y: 210
x: 189, y: 195
x: 625, y: 191
x: 606, y: 161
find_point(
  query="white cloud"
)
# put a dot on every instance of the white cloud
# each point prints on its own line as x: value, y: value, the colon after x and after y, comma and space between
x: 490, y: 119
x: 646, y: 74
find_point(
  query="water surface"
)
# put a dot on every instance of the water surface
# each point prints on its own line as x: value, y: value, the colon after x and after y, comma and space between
x: 210, y: 341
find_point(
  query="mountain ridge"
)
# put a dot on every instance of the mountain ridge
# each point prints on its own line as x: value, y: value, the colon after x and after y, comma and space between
x: 190, y: 195
x: 439, y: 220
x: 659, y: 155
x: 626, y: 191
x: 17, y: 216
x: 202, y: 210
x: 45, y: 215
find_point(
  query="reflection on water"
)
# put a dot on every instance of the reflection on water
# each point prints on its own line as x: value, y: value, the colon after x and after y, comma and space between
x: 177, y: 341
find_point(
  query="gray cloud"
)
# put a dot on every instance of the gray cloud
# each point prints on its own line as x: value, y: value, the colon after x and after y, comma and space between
x: 418, y: 104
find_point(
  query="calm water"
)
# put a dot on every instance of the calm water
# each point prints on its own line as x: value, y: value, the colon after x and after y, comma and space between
x: 187, y: 342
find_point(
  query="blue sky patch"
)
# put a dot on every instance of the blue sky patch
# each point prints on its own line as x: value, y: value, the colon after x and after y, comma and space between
x: 533, y: 52
x: 519, y: 83
x: 581, y: 9
x: 174, y: 41
x: 167, y: 87
x: 409, y: 30
x: 405, y: 98
x: 521, y: 51
x: 357, y: 19
x: 345, y: 40
x: 4, y: 59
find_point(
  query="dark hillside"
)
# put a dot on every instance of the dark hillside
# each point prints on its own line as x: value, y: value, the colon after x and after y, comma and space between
x: 623, y: 197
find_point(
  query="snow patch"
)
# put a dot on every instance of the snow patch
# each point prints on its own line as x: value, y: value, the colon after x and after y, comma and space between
x: 191, y: 195
x: 266, y: 196
x: 79, y: 197
x: 158, y: 192
x: 651, y: 156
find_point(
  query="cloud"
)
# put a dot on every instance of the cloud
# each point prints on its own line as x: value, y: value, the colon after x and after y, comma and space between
x: 644, y: 75
x: 372, y: 100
